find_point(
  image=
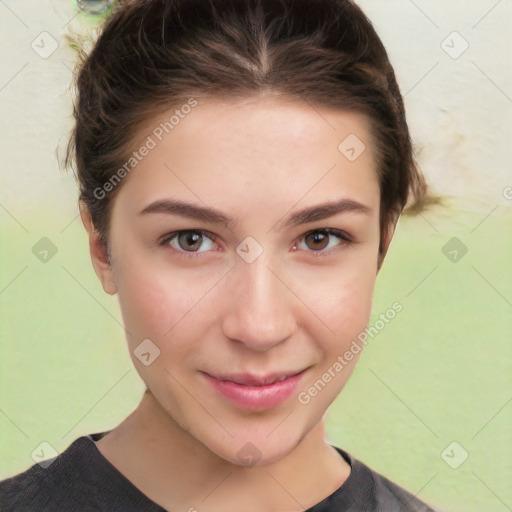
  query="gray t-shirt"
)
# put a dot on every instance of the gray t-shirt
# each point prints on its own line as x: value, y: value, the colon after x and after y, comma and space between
x: 80, y: 479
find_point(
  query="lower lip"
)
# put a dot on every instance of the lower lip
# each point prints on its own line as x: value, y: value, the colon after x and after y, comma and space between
x: 256, y: 397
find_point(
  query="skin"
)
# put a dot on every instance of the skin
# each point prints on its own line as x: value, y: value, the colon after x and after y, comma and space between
x: 258, y: 160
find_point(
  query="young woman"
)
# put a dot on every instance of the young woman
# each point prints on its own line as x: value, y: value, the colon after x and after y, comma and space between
x: 242, y: 166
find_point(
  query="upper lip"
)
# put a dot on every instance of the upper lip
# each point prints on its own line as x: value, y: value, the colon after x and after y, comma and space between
x: 250, y: 379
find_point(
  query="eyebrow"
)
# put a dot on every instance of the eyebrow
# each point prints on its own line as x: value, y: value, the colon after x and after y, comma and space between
x: 214, y: 216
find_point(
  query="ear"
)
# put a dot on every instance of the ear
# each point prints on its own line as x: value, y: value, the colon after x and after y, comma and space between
x: 99, y: 254
x: 387, y: 236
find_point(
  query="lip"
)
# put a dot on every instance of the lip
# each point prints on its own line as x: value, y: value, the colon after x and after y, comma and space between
x: 258, y: 393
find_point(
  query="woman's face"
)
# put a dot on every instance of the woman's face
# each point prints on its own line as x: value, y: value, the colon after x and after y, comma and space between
x: 269, y: 294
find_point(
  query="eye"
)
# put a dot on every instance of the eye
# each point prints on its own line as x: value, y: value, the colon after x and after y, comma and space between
x: 319, y: 240
x: 188, y: 241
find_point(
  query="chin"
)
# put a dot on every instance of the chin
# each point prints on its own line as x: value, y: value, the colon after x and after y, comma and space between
x: 253, y: 451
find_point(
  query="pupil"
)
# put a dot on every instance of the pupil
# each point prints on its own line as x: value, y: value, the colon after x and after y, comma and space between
x: 192, y: 239
x: 319, y: 237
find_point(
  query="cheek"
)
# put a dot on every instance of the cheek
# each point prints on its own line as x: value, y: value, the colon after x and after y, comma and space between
x: 150, y: 305
x: 341, y: 297
x: 157, y: 309
x: 157, y: 302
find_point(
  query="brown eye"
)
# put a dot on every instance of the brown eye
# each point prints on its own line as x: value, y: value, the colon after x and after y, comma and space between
x: 321, y: 240
x: 317, y: 240
x: 190, y: 240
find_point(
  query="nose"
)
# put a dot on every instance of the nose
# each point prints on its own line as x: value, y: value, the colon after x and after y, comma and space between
x: 259, y: 306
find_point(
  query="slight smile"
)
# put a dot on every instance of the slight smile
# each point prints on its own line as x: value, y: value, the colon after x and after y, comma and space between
x: 257, y: 393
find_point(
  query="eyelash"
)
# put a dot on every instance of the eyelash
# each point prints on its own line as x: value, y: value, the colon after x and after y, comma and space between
x: 344, y: 241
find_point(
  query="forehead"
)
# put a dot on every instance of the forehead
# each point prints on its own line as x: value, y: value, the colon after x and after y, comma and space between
x: 265, y: 150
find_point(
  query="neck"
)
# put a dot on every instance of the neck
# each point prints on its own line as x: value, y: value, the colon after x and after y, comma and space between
x: 175, y: 470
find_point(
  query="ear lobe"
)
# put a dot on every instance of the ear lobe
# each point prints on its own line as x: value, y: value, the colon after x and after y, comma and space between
x: 100, y: 256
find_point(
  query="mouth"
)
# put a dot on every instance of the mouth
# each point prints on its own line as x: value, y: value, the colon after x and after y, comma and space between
x: 252, y: 380
x: 250, y: 391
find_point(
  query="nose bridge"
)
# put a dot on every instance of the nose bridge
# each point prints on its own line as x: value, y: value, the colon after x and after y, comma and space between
x: 258, y: 311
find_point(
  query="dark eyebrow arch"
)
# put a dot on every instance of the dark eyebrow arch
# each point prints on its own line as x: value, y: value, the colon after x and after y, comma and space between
x: 214, y: 216
x: 190, y: 210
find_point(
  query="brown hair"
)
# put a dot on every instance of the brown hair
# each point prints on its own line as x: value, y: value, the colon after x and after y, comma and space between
x: 152, y: 55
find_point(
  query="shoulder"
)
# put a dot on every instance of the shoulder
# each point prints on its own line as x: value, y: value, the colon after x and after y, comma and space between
x: 78, y: 479
x: 45, y: 485
x: 369, y: 491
